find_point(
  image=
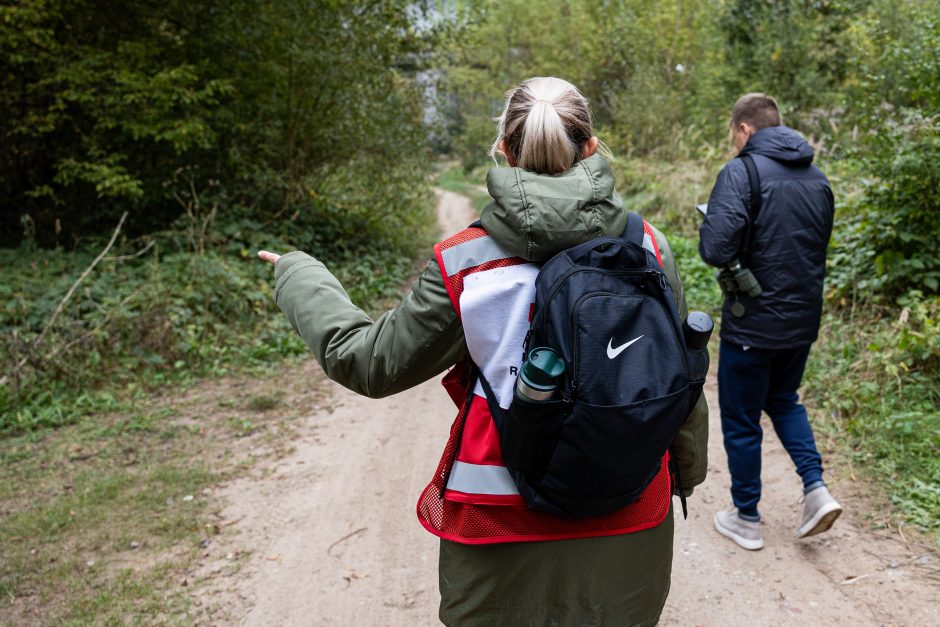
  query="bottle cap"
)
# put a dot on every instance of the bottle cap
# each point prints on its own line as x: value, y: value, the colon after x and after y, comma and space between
x: 697, y: 329
x: 542, y: 368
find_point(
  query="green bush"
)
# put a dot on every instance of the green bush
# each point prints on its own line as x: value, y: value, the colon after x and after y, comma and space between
x: 666, y: 192
x: 698, y: 278
x: 886, y: 239
x: 103, y: 104
x: 174, y: 314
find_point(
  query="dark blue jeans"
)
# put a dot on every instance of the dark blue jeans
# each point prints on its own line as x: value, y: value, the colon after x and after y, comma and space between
x: 763, y: 379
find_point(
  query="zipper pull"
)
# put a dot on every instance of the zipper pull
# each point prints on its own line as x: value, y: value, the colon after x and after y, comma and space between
x: 525, y: 345
x: 662, y: 280
x: 571, y: 394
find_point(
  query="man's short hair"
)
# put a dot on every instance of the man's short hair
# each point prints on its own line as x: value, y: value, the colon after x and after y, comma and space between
x: 758, y: 110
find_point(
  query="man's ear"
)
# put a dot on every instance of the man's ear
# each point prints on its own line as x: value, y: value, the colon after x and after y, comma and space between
x: 590, y: 147
x: 746, y: 129
x: 504, y: 150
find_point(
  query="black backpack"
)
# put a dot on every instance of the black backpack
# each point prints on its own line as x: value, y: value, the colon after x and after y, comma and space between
x: 606, y: 308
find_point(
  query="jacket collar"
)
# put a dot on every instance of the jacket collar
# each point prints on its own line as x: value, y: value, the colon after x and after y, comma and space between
x: 537, y: 215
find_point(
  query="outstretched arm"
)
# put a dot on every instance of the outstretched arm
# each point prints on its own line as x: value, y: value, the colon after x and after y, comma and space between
x: 402, y: 348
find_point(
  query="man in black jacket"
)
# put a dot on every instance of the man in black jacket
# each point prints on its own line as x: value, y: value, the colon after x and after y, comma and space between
x: 780, y: 235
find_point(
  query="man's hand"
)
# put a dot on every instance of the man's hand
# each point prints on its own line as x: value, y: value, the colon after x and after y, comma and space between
x: 268, y: 256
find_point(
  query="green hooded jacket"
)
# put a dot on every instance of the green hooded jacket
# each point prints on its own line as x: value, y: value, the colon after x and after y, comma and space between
x: 533, y: 216
x: 615, y: 580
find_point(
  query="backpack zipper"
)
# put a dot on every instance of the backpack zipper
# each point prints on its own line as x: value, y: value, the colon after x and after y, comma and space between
x: 571, y: 271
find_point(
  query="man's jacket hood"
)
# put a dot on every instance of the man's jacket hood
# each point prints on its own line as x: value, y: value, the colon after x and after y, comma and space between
x: 536, y: 215
x: 781, y: 144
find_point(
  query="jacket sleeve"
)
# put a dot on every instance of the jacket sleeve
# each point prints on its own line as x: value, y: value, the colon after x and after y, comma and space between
x: 691, y: 444
x: 402, y: 348
x: 721, y: 236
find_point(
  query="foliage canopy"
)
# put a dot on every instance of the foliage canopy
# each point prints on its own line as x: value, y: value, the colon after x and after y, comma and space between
x: 278, y: 106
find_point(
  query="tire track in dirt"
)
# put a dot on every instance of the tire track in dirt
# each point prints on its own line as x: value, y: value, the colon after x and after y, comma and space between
x: 329, y: 535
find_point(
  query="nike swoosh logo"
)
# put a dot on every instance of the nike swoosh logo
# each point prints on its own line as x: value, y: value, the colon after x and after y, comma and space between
x: 613, y: 352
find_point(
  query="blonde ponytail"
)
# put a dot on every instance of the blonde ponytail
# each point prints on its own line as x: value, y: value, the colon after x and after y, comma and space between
x: 545, y: 124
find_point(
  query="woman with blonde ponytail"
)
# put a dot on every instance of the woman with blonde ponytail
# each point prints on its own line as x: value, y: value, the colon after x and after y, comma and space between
x: 545, y: 127
x: 502, y: 563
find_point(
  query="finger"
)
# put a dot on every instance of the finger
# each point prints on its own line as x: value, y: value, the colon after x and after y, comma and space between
x: 268, y: 256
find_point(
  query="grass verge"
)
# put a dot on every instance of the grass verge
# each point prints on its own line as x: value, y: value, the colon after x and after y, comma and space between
x: 881, y: 403
x: 101, y: 520
x: 116, y: 432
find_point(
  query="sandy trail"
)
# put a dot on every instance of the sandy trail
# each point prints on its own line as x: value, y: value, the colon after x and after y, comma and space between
x: 329, y: 536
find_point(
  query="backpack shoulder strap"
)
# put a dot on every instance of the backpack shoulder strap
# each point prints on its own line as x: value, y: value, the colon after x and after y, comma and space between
x: 753, y: 208
x: 753, y: 180
x: 634, y: 231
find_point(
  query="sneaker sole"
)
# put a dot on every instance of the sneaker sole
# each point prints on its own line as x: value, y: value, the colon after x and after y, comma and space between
x: 744, y: 543
x: 822, y: 521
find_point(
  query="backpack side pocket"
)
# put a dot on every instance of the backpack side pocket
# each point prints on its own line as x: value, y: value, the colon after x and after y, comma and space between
x: 529, y: 434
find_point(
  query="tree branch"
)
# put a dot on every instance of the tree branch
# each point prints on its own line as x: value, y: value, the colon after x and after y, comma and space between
x: 61, y: 306
x: 140, y: 252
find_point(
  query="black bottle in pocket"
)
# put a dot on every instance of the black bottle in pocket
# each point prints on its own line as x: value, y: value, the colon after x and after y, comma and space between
x: 697, y: 330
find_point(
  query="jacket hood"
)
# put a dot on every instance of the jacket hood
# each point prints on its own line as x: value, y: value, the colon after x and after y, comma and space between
x: 536, y: 215
x: 782, y: 144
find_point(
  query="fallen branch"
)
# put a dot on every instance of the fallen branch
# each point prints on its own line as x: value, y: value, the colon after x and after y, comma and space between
x: 16, y: 375
x: 63, y: 348
x: 852, y: 580
x: 61, y: 306
x: 889, y: 565
x: 81, y: 277
x: 140, y: 252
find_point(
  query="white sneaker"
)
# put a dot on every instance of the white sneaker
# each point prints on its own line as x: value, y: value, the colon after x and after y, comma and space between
x: 820, y: 510
x: 745, y: 533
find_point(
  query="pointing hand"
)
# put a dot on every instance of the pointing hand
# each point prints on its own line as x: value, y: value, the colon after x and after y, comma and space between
x: 268, y: 256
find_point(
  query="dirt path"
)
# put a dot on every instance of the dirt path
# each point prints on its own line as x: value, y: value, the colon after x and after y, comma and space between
x: 329, y: 535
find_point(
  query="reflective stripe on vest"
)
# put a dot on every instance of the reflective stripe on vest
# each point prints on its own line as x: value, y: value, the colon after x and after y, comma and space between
x: 480, y: 479
x: 493, y: 292
x: 472, y: 253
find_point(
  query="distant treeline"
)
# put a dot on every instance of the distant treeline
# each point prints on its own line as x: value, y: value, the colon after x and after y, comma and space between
x: 325, y: 112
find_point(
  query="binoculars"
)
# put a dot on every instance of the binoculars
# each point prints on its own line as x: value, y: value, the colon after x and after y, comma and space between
x: 735, y: 279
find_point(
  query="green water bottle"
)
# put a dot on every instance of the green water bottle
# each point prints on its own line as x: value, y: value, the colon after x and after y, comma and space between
x: 538, y: 377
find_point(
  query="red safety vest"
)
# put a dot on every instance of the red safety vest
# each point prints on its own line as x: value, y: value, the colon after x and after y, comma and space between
x: 472, y: 498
